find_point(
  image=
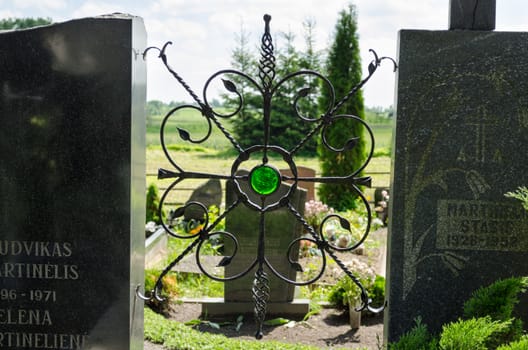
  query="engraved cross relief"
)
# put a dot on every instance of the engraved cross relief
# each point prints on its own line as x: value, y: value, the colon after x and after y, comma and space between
x: 479, y: 149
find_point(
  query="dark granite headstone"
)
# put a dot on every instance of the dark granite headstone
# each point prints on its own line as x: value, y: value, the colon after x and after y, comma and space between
x: 460, y: 144
x: 472, y: 14
x: 72, y: 185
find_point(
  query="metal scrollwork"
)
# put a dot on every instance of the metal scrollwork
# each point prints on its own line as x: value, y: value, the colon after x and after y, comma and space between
x: 199, y: 236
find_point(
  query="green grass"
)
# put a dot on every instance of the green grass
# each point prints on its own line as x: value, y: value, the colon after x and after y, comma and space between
x: 216, y: 155
x: 382, y: 135
x: 177, y: 336
x: 211, y: 161
x: 193, y: 122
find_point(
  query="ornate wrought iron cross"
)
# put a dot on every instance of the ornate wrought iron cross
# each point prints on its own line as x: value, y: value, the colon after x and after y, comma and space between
x: 264, y: 179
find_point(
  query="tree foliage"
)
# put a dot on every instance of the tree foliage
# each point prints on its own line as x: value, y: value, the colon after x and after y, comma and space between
x: 521, y: 194
x: 286, y: 129
x: 157, y: 108
x: 152, y: 203
x: 487, y: 323
x: 22, y: 23
x: 343, y: 69
x: 160, y: 108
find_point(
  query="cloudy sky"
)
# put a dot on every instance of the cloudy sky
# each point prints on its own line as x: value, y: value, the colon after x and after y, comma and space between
x: 203, y: 31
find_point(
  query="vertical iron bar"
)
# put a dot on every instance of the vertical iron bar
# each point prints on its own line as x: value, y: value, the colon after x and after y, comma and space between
x: 261, y: 288
x: 266, y: 75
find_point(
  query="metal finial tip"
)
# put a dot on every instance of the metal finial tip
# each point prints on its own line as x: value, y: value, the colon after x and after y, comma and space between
x: 267, y: 18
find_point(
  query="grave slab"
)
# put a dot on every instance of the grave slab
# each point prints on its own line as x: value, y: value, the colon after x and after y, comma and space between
x: 460, y: 144
x: 297, y: 308
x: 72, y: 184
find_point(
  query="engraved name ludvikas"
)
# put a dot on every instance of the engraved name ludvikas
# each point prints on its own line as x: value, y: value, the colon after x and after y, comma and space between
x: 45, y: 270
x: 481, y: 225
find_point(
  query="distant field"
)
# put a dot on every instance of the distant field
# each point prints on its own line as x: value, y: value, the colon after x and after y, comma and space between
x: 193, y: 122
x: 211, y: 156
x: 382, y: 135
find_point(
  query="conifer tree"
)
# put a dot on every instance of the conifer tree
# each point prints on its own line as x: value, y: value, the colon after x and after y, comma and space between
x: 285, y: 129
x: 22, y: 23
x: 243, y: 60
x: 343, y: 69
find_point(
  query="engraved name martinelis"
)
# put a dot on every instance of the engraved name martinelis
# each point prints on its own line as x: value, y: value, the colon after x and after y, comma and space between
x: 38, y: 249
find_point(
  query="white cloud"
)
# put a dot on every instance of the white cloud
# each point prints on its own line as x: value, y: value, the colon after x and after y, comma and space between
x: 203, y: 35
x: 8, y: 14
x: 40, y: 4
x: 94, y: 8
x: 167, y: 6
x: 203, y: 31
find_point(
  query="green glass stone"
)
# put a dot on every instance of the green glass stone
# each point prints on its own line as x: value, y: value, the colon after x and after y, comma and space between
x: 264, y: 180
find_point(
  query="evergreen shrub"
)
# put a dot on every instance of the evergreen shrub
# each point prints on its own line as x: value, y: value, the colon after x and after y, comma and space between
x: 153, y: 200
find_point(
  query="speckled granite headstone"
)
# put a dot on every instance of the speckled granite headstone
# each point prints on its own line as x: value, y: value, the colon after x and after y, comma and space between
x: 281, y: 229
x: 461, y: 142
x: 72, y: 185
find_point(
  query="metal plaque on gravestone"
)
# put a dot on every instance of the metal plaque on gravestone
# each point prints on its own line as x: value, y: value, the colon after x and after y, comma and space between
x: 72, y: 185
x: 460, y: 144
x: 281, y: 229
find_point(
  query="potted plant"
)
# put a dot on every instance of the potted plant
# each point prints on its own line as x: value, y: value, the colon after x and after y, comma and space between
x: 346, y: 294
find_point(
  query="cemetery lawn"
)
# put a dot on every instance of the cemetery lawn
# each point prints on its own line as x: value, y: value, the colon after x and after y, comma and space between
x: 327, y: 330
x: 208, y: 160
x: 217, y: 154
x: 327, y: 327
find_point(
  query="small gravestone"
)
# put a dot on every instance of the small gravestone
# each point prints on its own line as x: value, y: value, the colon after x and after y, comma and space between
x: 208, y: 194
x: 72, y: 185
x: 309, y: 186
x: 460, y: 144
x: 281, y: 229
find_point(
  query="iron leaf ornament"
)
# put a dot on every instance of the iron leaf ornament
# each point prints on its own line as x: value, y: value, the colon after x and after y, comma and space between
x: 264, y: 179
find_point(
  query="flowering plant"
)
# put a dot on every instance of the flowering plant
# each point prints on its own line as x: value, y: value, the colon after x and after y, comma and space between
x: 382, y: 207
x: 315, y: 211
x: 345, y: 292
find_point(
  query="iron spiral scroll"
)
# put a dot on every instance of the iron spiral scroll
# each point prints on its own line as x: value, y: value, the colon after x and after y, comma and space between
x: 267, y: 86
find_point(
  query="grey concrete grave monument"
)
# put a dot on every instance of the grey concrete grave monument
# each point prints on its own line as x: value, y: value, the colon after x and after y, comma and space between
x: 281, y: 229
x: 460, y: 144
x: 209, y: 193
x: 72, y: 185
